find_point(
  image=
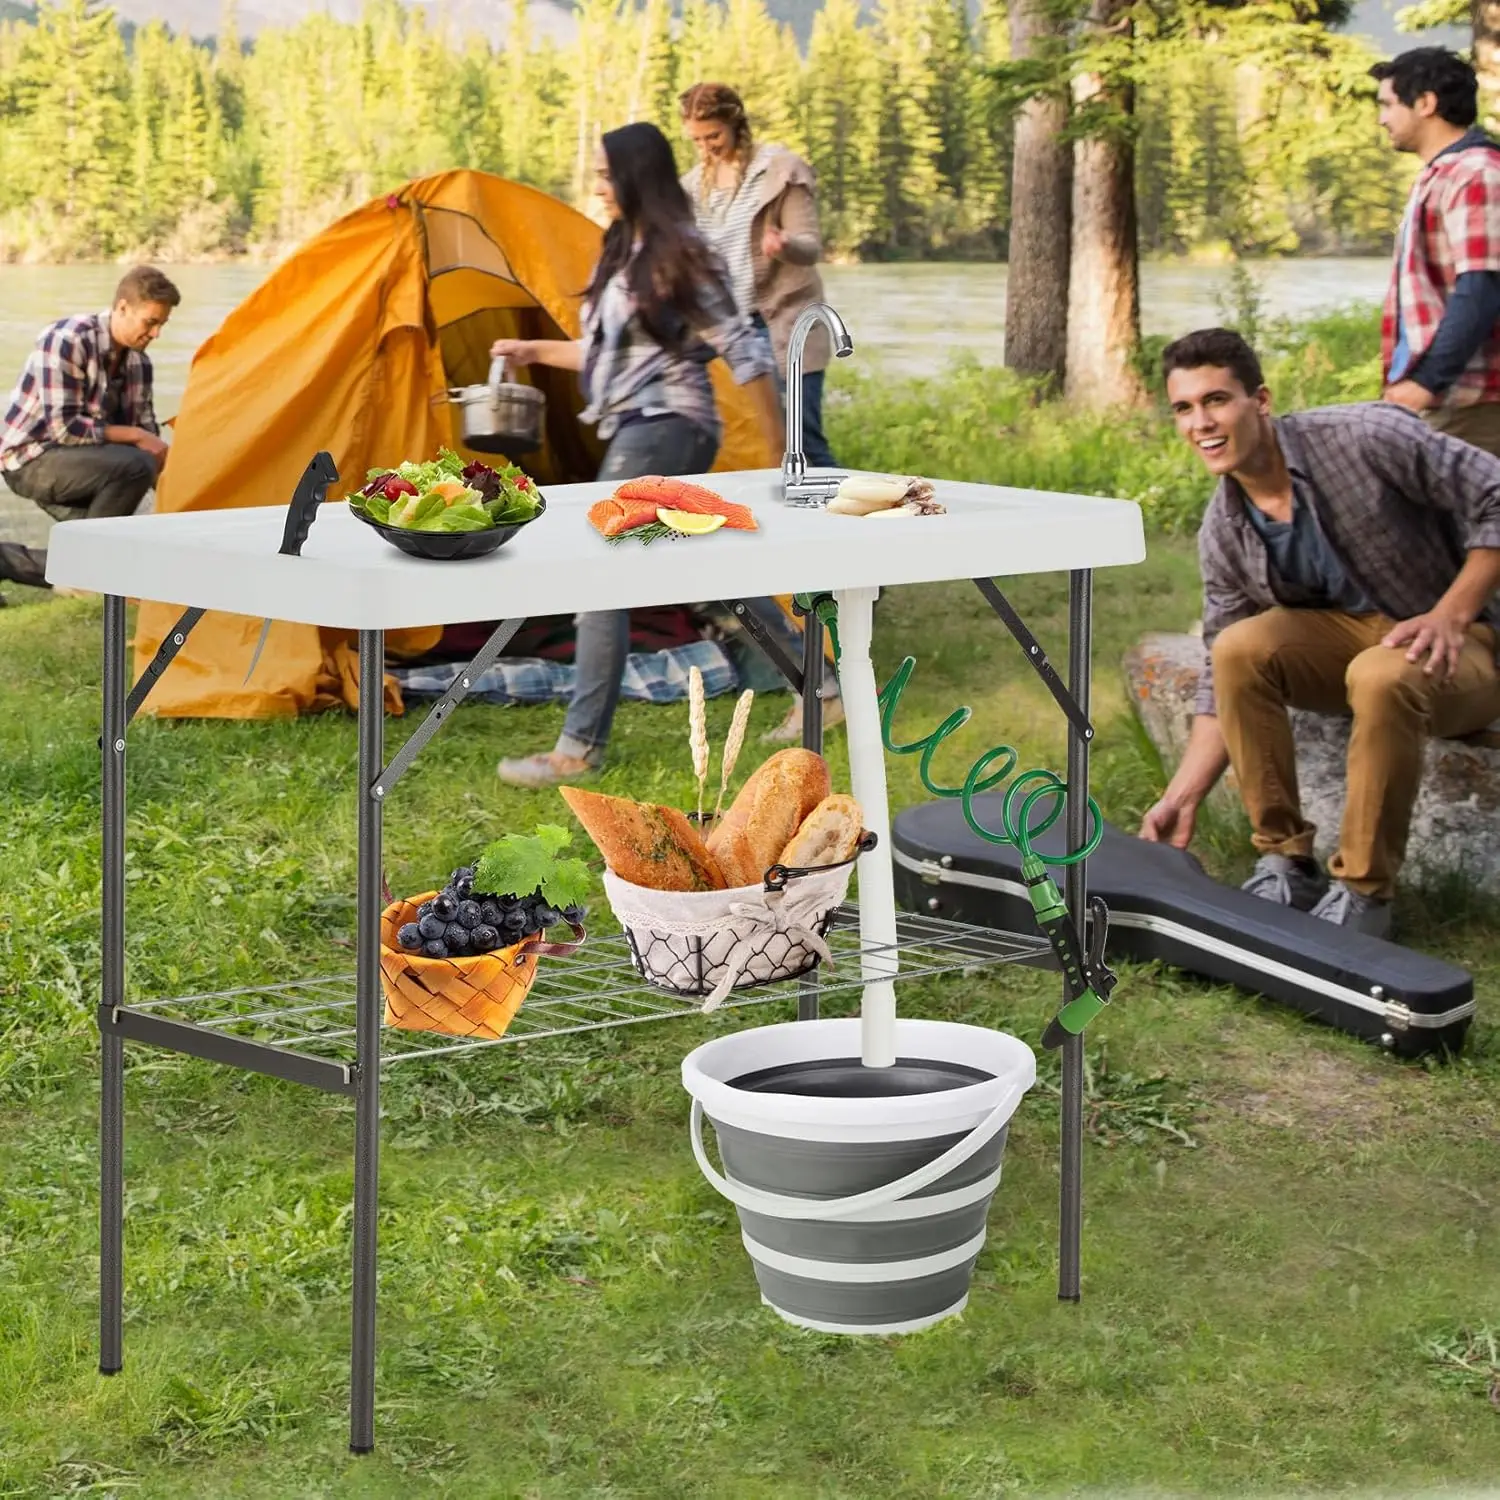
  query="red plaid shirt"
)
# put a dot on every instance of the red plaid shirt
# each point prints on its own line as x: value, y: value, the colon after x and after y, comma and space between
x: 64, y: 397
x: 1452, y: 226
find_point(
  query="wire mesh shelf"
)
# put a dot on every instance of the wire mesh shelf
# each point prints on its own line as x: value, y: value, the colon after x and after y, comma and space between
x: 594, y: 989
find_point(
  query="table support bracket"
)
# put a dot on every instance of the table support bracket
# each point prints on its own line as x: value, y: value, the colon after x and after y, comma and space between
x: 770, y: 647
x: 1077, y: 716
x: 237, y: 1052
x: 500, y: 638
x: 173, y: 642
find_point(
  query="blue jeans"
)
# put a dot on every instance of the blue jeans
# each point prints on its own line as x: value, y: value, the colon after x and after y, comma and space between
x: 660, y: 445
x: 815, y: 447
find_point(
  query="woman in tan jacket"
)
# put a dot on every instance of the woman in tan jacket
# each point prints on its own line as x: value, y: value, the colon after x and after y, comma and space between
x: 755, y: 205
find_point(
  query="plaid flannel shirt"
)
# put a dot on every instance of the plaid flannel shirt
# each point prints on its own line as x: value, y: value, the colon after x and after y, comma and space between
x: 1452, y: 226
x: 626, y: 372
x: 1400, y: 503
x: 649, y: 677
x: 63, y: 395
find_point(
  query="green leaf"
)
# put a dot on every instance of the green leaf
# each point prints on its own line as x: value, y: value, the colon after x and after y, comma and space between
x: 464, y: 518
x: 653, y: 531
x: 378, y: 508
x: 506, y: 510
x: 428, y: 506
x: 519, y: 864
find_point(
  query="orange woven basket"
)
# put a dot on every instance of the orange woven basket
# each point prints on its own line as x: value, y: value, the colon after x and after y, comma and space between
x: 477, y: 996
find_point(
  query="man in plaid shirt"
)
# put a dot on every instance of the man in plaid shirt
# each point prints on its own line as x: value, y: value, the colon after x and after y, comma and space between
x: 1350, y: 560
x: 80, y: 436
x: 1441, y: 330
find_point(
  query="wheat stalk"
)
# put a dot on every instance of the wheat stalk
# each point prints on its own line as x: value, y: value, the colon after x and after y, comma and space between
x: 698, y: 732
x: 734, y: 744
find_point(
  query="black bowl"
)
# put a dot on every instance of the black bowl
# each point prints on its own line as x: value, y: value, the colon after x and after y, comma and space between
x: 450, y: 546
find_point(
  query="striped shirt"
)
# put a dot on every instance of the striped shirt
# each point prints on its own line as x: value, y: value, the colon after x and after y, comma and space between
x: 725, y: 216
x: 627, y: 374
x: 1399, y: 504
x: 65, y: 395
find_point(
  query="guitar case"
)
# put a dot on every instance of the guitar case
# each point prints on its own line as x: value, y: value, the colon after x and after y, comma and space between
x: 1162, y: 905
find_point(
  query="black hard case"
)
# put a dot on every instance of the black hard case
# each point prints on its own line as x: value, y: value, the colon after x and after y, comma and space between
x: 1163, y: 906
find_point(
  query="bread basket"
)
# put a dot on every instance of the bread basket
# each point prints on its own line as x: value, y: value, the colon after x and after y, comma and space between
x: 711, y: 942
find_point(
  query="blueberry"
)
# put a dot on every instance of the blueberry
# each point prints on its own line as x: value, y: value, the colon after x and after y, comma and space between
x: 457, y: 938
x: 515, y: 919
x: 483, y: 938
x: 463, y: 872
x: 424, y: 910
x: 435, y: 950
x: 433, y: 927
x: 410, y: 937
x: 547, y: 916
x: 470, y: 914
x: 444, y: 906
x: 491, y: 913
x: 574, y: 913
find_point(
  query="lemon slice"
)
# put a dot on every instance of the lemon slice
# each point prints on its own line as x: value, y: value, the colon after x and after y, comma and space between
x: 689, y: 522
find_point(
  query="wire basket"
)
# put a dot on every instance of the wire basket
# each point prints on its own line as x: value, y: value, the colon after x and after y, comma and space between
x: 711, y: 942
x: 476, y: 995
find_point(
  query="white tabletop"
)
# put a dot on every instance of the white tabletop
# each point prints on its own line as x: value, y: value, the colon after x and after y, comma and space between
x: 348, y: 576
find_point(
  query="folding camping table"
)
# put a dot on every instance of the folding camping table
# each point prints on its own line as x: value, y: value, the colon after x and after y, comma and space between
x: 327, y: 1033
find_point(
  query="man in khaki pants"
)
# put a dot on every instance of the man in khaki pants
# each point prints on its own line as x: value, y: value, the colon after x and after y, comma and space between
x: 1350, y: 558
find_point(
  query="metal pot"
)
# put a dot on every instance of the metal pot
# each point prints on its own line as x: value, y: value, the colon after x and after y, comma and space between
x: 502, y: 416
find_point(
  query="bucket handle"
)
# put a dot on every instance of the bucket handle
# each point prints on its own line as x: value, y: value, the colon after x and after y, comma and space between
x: 776, y: 1206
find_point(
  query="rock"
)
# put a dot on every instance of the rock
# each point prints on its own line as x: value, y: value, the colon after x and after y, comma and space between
x: 1161, y: 677
x: 1458, y: 806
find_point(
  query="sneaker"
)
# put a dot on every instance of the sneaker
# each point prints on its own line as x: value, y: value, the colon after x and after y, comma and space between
x: 789, y: 731
x: 1297, y: 883
x: 1346, y: 908
x: 536, y: 772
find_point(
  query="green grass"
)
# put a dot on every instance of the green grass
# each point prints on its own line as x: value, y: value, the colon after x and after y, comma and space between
x: 1290, y: 1278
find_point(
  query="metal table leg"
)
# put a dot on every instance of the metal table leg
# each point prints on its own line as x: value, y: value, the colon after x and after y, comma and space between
x: 112, y: 1047
x: 368, y: 1011
x: 1070, y: 1216
x: 812, y: 739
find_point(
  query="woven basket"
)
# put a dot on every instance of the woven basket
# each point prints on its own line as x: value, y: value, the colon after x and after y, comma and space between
x: 476, y: 996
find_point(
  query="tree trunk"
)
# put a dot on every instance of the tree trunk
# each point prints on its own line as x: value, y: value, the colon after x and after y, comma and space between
x: 1104, y: 304
x: 1486, y: 19
x: 1036, y: 287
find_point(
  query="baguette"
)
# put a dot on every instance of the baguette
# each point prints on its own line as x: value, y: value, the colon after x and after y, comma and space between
x: 829, y: 835
x: 767, y: 814
x: 651, y: 846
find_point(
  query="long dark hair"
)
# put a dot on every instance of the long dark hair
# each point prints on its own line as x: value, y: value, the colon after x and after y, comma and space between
x: 674, y: 263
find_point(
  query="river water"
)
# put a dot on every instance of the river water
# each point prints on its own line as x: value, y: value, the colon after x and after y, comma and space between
x: 905, y: 319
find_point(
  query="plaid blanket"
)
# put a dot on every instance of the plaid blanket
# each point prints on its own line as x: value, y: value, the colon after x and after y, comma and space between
x: 650, y: 677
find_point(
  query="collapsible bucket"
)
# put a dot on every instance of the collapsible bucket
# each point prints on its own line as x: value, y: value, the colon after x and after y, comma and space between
x: 862, y: 1192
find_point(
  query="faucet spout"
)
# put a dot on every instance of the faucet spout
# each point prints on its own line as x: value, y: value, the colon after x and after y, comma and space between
x: 797, y: 489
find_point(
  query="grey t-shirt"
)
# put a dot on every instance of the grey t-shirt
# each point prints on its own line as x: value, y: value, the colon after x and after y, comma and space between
x: 1303, y: 563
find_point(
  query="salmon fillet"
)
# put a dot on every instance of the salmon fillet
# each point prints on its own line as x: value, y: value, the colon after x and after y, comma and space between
x: 636, y: 502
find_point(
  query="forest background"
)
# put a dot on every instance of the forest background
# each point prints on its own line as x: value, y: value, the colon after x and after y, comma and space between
x: 1250, y: 125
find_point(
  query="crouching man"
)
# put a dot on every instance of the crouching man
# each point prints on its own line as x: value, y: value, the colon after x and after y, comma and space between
x: 1350, y: 558
x: 80, y: 436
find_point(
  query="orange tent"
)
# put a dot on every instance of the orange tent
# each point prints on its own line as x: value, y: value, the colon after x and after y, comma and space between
x: 350, y: 346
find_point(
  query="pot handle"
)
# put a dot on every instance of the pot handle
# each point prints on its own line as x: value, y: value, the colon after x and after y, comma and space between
x: 497, y: 373
x: 775, y: 1206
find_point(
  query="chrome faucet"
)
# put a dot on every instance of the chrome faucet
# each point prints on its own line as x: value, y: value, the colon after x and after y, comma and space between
x: 796, y: 486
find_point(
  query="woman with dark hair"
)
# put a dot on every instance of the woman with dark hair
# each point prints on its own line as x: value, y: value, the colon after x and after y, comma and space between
x: 656, y: 312
x: 755, y: 206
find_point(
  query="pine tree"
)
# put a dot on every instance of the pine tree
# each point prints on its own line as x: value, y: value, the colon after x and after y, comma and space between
x: 71, y: 94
